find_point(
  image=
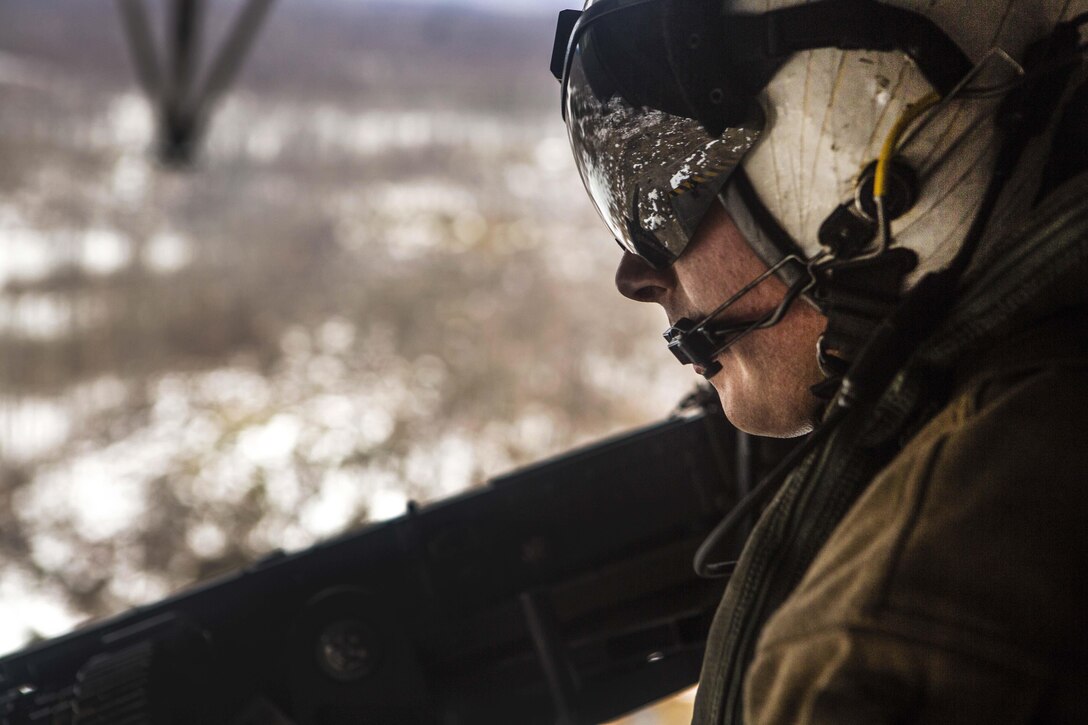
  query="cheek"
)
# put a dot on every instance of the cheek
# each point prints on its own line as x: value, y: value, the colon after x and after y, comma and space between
x: 747, y: 369
x: 765, y: 379
x: 712, y: 284
x: 707, y: 280
x: 744, y: 379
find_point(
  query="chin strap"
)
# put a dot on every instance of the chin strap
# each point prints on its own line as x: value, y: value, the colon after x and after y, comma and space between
x: 700, y: 343
x: 855, y: 296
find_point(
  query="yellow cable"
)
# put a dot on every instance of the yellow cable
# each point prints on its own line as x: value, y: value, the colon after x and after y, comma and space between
x: 910, y: 114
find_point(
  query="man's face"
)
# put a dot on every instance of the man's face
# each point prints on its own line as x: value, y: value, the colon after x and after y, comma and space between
x: 765, y: 378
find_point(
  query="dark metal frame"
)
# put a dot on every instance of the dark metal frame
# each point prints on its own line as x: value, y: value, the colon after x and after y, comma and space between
x: 170, y: 79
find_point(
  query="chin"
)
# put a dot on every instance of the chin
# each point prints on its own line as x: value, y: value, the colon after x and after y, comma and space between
x: 765, y: 416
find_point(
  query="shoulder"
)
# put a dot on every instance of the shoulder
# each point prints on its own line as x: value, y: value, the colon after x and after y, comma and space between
x: 989, y: 498
x: 970, y: 544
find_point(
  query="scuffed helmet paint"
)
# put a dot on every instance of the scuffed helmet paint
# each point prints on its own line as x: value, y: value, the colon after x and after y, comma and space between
x: 829, y: 110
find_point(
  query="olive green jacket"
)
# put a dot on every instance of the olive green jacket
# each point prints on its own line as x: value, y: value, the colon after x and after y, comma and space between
x: 949, y: 587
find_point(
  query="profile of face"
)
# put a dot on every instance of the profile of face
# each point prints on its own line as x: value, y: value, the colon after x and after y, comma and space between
x: 765, y: 378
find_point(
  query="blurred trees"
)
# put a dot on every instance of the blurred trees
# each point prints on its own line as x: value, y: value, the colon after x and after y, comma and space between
x: 382, y: 282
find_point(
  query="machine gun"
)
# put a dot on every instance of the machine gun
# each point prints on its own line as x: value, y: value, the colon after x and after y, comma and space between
x: 560, y: 593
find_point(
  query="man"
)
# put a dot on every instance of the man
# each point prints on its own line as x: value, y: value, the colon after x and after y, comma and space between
x: 868, y: 220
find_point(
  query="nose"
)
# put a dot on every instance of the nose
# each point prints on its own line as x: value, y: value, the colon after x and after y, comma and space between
x: 638, y: 280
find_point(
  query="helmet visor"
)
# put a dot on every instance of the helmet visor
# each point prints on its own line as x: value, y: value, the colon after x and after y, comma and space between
x: 651, y: 173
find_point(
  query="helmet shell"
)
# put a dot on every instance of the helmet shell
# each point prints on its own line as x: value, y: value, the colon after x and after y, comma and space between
x: 828, y: 112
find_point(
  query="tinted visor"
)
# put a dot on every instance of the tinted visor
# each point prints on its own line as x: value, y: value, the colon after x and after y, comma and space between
x: 651, y: 169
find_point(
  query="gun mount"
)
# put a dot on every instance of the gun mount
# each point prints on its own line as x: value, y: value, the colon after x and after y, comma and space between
x: 560, y: 593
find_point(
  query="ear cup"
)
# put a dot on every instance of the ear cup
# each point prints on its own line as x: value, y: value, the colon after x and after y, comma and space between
x: 853, y: 225
x: 901, y: 190
x: 846, y: 232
